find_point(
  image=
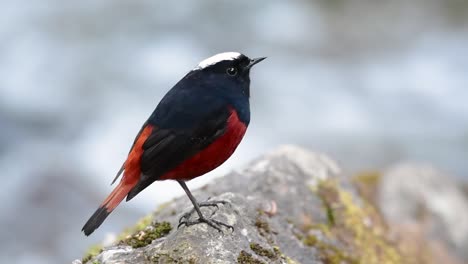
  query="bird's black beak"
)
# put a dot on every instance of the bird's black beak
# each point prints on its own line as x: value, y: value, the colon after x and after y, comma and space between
x: 254, y: 61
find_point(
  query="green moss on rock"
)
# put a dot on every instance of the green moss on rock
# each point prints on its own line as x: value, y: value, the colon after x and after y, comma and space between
x: 262, y: 226
x: 261, y: 251
x: 148, y: 234
x: 354, y: 233
x: 247, y: 258
x: 310, y: 240
x: 139, y: 226
x: 91, y: 252
x: 367, y: 184
x: 329, y: 253
x: 283, y: 257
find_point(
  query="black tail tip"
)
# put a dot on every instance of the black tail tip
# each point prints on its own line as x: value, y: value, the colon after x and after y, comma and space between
x: 95, y: 220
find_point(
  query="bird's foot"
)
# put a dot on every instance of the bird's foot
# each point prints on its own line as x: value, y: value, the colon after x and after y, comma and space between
x: 187, y: 215
x: 185, y: 219
x: 211, y: 222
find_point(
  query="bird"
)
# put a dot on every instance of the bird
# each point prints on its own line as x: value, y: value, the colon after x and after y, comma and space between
x: 196, y: 127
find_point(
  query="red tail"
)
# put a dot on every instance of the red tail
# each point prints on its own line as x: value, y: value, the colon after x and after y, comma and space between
x: 129, y: 180
x: 111, y: 202
x: 116, y: 196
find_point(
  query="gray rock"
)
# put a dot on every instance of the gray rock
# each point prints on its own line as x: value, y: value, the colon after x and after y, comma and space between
x: 264, y: 199
x: 420, y: 195
x: 287, y: 207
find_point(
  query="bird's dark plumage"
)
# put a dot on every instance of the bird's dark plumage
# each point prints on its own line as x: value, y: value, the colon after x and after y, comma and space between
x: 195, y: 128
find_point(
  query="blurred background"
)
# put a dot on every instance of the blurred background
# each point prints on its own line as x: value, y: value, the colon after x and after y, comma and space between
x: 370, y: 83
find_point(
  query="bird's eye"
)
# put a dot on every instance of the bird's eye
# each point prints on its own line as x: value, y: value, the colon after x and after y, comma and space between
x: 232, y: 71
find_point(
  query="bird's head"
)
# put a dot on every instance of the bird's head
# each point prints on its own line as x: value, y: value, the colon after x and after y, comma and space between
x: 228, y: 71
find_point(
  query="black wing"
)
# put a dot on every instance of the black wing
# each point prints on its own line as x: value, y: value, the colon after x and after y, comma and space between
x: 166, y: 148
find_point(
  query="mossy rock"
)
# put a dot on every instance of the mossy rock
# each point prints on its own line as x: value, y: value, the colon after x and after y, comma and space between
x: 247, y: 258
x: 143, y: 233
x: 147, y: 235
x: 318, y: 218
x: 367, y: 183
x: 354, y: 232
x: 92, y: 252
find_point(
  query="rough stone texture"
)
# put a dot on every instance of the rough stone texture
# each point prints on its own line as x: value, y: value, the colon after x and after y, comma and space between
x: 417, y: 196
x: 286, y: 207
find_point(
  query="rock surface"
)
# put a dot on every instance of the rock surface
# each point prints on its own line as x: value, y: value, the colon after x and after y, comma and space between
x: 418, y: 196
x: 287, y: 207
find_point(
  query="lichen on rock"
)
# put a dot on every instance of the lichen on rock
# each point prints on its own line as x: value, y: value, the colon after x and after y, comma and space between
x: 356, y: 233
x: 91, y: 252
x: 149, y: 233
x: 317, y: 217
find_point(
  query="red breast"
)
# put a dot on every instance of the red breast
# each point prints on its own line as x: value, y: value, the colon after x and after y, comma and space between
x: 212, y: 156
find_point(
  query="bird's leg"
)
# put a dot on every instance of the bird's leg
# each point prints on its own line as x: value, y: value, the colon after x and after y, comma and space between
x: 185, y: 219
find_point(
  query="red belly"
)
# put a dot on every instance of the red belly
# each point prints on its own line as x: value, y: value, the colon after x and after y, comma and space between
x: 214, y: 155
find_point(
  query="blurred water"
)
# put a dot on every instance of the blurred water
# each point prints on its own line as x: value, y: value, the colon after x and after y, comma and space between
x: 370, y: 83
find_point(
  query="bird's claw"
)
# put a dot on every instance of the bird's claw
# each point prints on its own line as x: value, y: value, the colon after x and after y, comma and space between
x: 186, y: 216
x: 204, y: 204
x: 211, y: 222
x: 185, y: 219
